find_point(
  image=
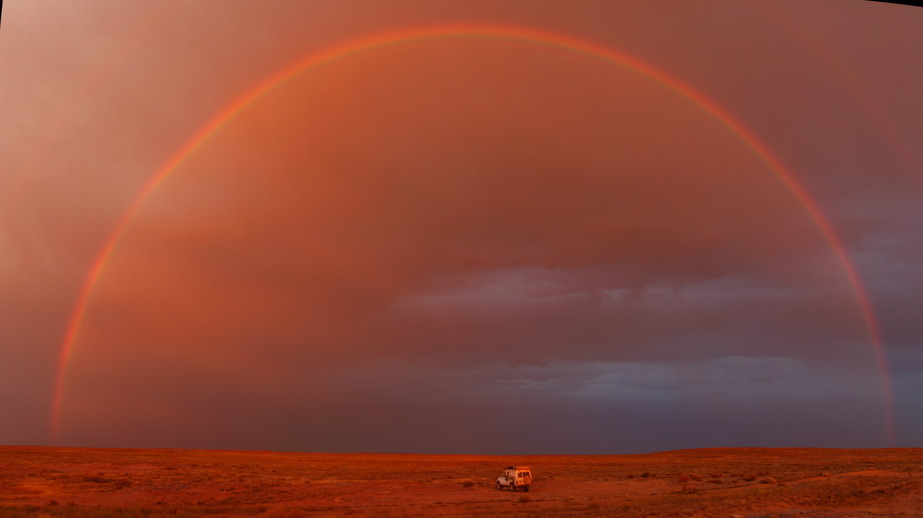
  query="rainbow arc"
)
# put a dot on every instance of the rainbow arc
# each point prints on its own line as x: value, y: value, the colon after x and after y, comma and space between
x: 491, y: 32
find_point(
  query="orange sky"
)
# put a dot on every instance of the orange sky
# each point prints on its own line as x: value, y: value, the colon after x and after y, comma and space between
x: 409, y: 247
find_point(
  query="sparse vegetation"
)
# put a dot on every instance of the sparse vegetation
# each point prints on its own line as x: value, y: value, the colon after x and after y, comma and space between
x: 82, y: 483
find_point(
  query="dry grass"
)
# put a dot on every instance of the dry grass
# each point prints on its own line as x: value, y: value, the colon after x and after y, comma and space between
x: 755, y: 483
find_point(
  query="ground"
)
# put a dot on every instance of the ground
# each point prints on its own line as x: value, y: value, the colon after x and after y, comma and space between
x: 732, y: 482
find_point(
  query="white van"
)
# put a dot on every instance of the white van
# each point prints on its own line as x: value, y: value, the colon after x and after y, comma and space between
x: 519, y: 477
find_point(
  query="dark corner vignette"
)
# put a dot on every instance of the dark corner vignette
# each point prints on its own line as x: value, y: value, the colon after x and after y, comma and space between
x: 901, y: 2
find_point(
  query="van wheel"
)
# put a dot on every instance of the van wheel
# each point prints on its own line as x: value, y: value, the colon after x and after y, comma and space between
x: 499, y: 486
x: 525, y: 488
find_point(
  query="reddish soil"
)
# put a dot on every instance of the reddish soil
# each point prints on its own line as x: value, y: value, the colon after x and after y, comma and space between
x: 738, y: 482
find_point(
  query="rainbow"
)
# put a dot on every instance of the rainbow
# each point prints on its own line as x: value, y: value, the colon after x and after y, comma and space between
x: 495, y: 32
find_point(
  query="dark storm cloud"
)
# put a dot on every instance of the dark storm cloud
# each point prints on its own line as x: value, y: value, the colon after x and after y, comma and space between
x: 566, y: 408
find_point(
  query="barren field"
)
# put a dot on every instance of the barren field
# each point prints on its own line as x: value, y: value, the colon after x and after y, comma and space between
x: 740, y: 482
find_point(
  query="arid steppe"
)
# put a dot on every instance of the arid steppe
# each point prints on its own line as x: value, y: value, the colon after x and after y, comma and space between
x: 734, y: 482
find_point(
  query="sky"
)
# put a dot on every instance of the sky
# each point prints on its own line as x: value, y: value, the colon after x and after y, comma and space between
x: 462, y: 226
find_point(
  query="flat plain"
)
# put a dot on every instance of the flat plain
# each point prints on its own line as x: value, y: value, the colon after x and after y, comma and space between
x: 726, y: 482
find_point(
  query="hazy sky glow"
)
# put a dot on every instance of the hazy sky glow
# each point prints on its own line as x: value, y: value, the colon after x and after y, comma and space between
x: 461, y: 227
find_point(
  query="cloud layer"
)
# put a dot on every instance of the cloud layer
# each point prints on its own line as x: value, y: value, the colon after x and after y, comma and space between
x: 411, y: 247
